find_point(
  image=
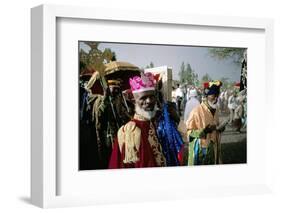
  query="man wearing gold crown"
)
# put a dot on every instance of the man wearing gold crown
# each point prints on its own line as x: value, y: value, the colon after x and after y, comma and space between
x: 203, y: 129
x: 137, y: 144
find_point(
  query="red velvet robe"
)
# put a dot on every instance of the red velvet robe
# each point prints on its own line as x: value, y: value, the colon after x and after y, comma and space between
x: 149, y: 153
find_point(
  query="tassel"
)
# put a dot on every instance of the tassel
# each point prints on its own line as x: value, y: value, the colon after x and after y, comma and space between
x: 130, y: 136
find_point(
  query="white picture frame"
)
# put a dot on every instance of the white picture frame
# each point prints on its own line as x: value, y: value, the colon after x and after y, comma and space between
x: 44, y: 148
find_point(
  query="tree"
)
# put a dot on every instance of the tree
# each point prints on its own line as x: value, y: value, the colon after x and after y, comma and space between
x: 151, y: 65
x: 188, y: 75
x: 181, y: 72
x: 196, y: 80
x: 206, y: 78
x: 114, y: 57
x: 236, y: 54
x: 225, y: 83
x: 83, y: 59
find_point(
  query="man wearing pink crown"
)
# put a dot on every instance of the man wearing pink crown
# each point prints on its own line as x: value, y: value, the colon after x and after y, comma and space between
x: 137, y: 144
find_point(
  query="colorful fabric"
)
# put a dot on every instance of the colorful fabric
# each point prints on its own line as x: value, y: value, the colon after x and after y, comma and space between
x: 144, y: 83
x: 212, y: 87
x: 203, y: 148
x: 106, y: 125
x: 169, y: 137
x: 199, y: 155
x: 137, y: 146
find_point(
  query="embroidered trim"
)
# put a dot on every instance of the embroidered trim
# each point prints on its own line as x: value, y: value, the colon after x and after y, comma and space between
x: 140, y: 117
x: 156, y: 147
x: 129, y: 135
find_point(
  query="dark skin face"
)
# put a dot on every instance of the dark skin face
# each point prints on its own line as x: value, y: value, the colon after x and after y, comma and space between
x: 114, y: 90
x: 115, y: 94
x: 146, y: 100
x: 213, y: 98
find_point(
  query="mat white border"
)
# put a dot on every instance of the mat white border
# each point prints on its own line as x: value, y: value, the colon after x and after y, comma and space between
x: 43, y: 106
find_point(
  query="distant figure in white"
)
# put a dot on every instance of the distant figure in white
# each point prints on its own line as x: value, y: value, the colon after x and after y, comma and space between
x: 221, y: 102
x: 191, y: 103
x: 179, y: 98
x: 232, y: 104
x: 174, y: 97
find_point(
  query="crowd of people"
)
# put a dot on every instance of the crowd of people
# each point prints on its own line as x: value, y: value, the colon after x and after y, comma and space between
x: 231, y: 102
x: 138, y: 129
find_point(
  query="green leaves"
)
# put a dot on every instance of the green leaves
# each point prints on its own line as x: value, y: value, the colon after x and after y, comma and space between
x: 236, y: 54
x: 188, y: 75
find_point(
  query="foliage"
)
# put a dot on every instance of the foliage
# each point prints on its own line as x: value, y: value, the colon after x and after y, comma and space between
x: 151, y: 65
x: 182, y: 72
x: 226, y: 83
x: 236, y: 54
x: 206, y: 78
x: 187, y: 75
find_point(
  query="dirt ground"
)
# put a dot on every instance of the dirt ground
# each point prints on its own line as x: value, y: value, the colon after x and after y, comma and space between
x: 233, y: 144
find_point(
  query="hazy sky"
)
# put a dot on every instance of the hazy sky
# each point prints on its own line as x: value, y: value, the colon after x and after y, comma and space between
x: 201, y: 62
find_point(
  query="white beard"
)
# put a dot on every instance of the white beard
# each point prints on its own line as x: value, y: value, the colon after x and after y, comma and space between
x: 212, y: 105
x: 146, y: 114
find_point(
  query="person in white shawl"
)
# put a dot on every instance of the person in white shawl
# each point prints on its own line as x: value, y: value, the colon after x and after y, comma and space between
x: 191, y: 103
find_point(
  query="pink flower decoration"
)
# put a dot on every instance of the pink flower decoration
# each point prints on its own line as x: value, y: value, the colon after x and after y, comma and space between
x: 143, y: 83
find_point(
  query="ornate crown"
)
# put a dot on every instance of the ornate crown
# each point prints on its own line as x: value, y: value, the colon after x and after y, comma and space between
x: 144, y: 83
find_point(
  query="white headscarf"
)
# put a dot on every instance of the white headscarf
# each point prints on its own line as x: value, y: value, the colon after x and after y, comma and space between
x: 191, y: 103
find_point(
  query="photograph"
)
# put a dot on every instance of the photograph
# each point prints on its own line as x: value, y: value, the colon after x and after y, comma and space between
x: 161, y: 105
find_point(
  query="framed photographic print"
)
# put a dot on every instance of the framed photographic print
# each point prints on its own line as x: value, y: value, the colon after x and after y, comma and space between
x: 151, y: 106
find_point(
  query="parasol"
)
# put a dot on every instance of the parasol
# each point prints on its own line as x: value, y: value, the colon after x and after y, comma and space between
x: 122, y: 71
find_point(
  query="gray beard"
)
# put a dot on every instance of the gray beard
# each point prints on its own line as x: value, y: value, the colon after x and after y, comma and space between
x: 146, y: 114
x: 214, y: 106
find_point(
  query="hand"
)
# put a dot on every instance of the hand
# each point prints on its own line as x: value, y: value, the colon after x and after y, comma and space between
x: 210, y: 128
x: 221, y: 128
x: 202, y: 134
